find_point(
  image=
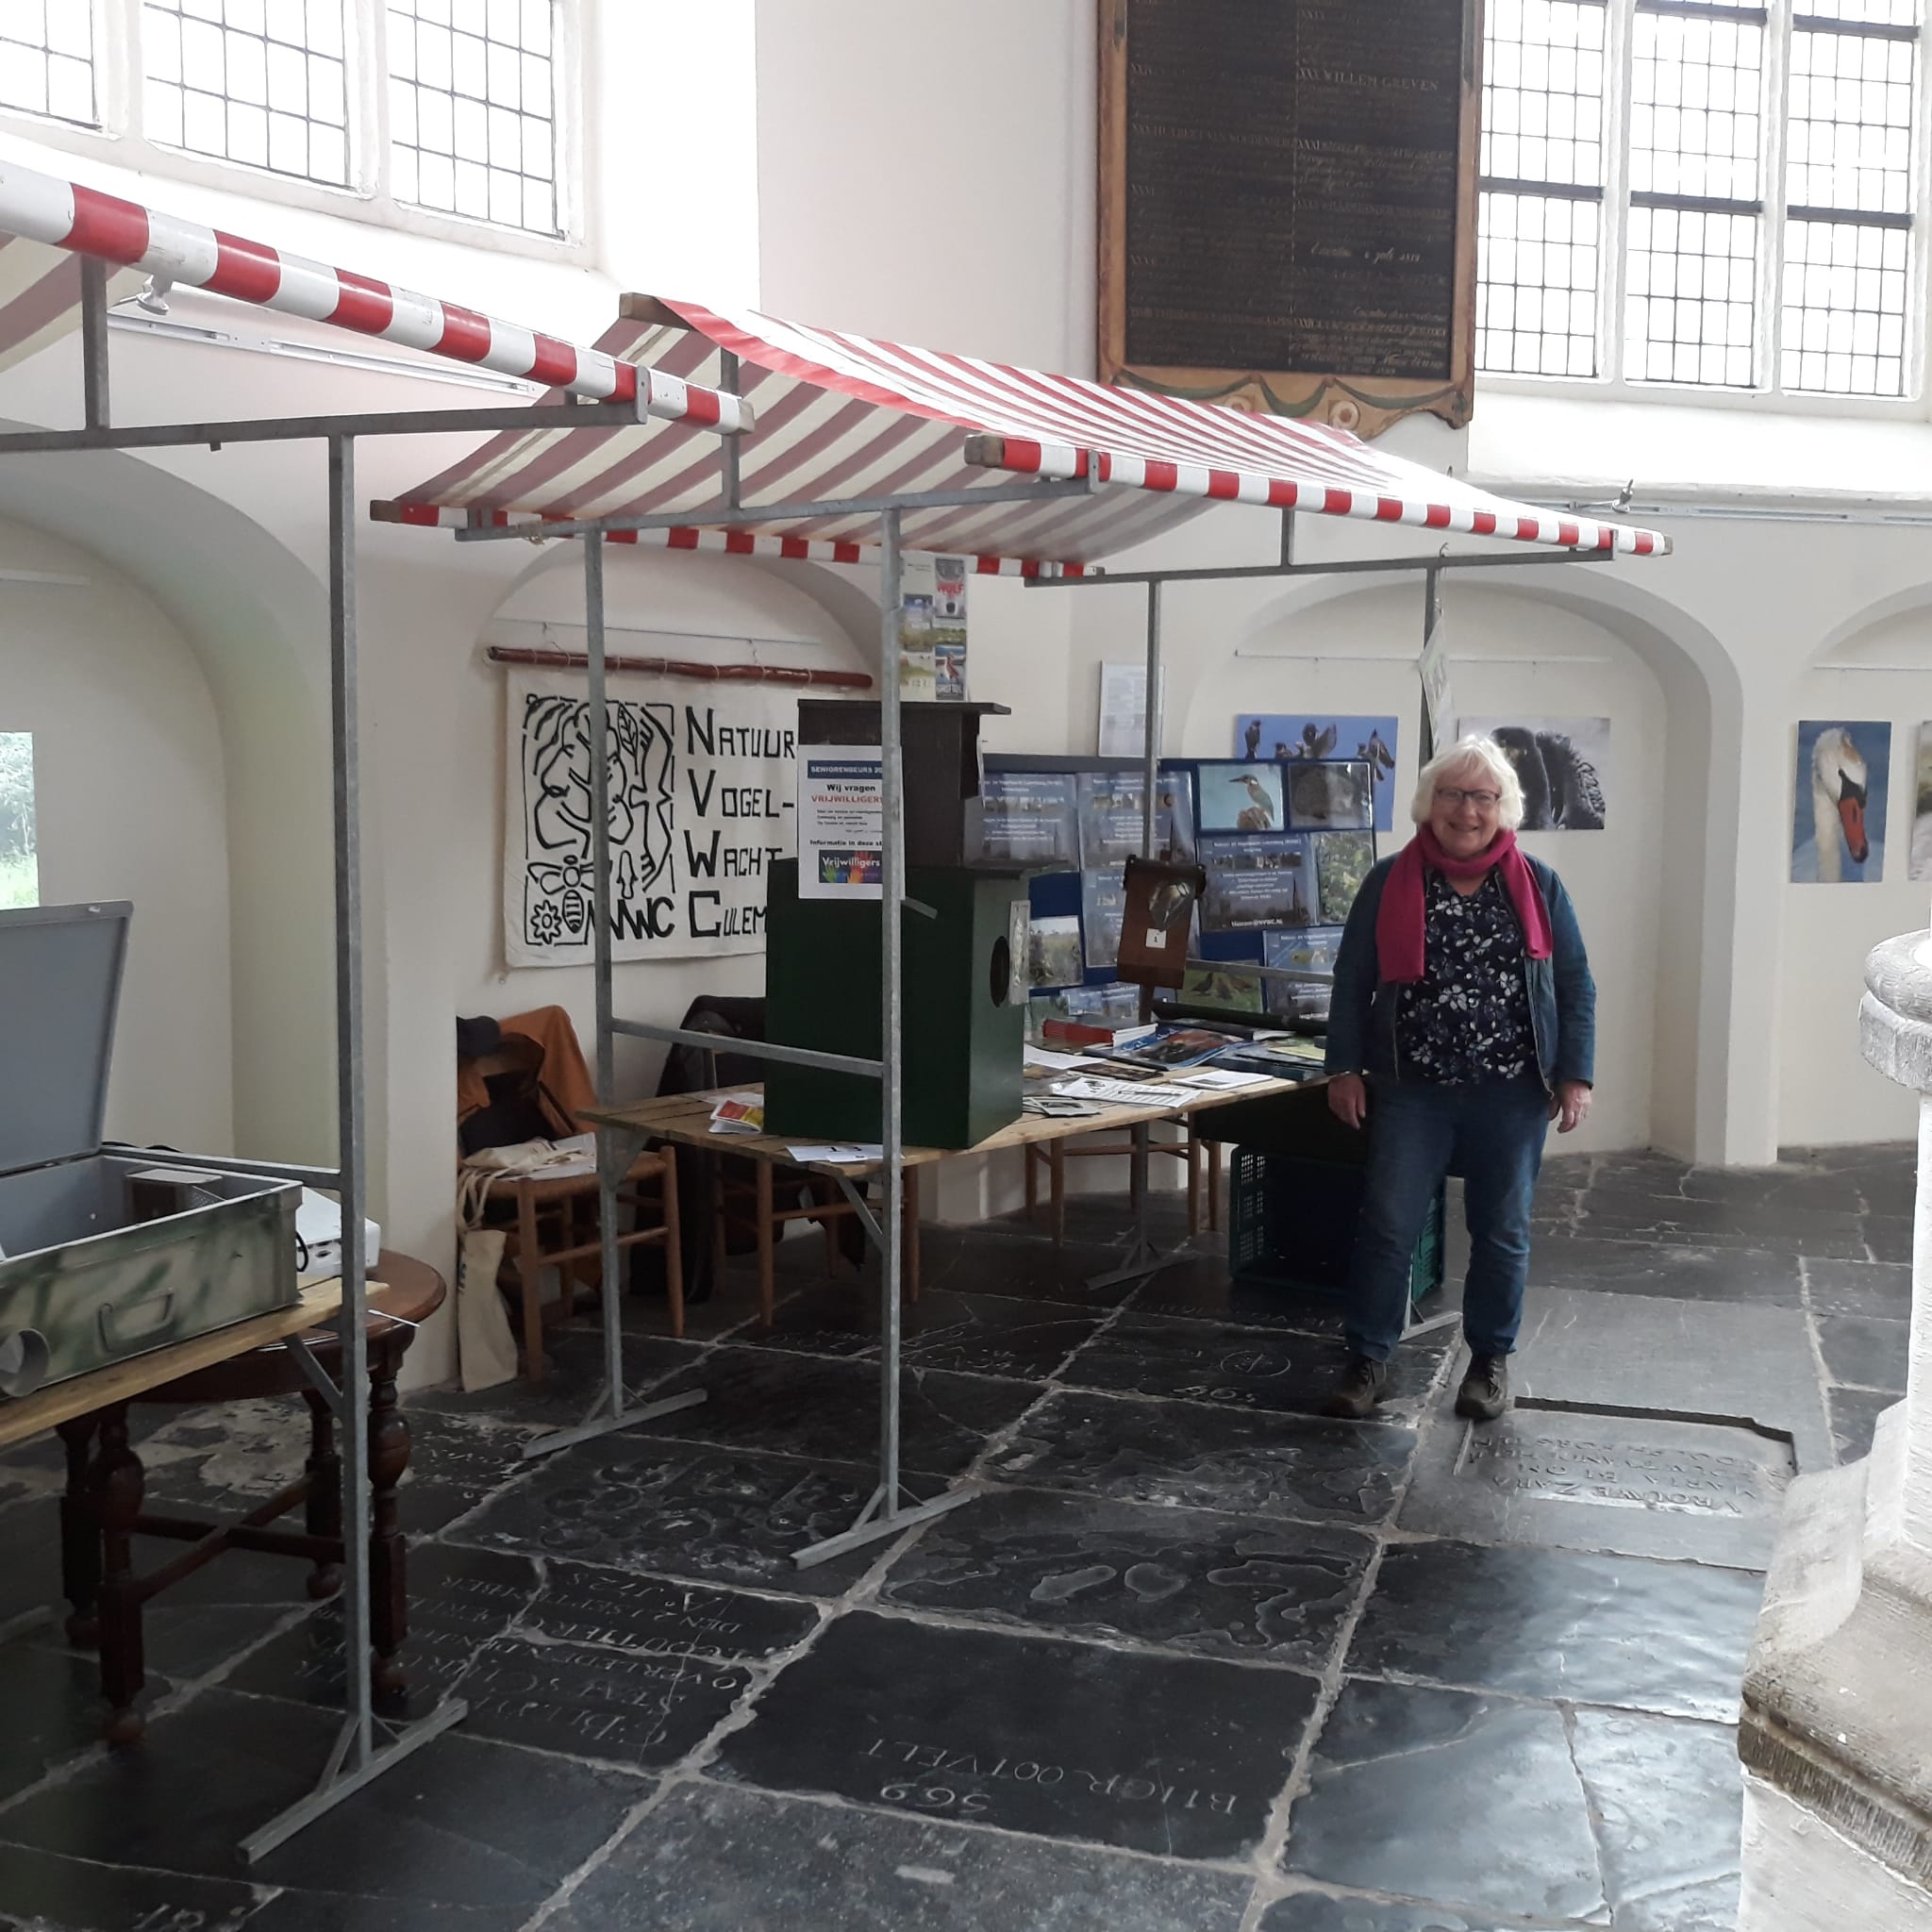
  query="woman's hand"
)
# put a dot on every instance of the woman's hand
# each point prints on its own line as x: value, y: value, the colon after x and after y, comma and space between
x: 1348, y: 1099
x: 1569, y: 1105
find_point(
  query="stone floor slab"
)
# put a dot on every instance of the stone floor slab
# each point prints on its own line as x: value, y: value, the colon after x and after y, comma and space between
x: 1855, y: 1414
x: 1178, y: 1756
x: 42, y: 1892
x: 1577, y: 1628
x: 1310, y: 1912
x: 1193, y: 1361
x: 1591, y: 1480
x: 1681, y: 1358
x: 1865, y: 1351
x: 1431, y: 1793
x: 1669, y: 1801
x: 470, y: 1822
x: 643, y: 1711
x: 1883, y: 1288
x: 1190, y: 1456
x: 52, y: 1701
x: 759, y: 1398
x: 682, y: 1509
x: 1021, y: 1338
x: 584, y: 1603
x: 1209, y: 1586
x: 1767, y: 1278
x: 822, y: 1868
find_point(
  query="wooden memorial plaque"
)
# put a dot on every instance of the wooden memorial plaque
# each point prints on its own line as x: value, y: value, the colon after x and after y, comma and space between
x: 1287, y: 204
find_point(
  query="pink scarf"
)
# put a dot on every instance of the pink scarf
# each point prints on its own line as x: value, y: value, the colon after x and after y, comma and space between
x: 1399, y: 920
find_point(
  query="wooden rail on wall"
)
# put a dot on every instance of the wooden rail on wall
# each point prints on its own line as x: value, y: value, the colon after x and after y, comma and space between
x: 680, y: 667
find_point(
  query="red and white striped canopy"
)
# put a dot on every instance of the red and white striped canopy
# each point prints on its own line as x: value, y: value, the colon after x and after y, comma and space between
x: 40, y: 295
x: 842, y: 416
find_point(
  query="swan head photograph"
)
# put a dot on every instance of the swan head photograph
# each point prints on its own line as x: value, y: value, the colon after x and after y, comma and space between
x: 1838, y: 821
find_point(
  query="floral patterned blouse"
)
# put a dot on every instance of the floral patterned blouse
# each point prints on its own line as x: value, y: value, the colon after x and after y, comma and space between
x: 1467, y: 1019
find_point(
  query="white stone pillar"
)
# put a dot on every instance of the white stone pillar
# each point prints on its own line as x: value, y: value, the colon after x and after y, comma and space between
x: 1837, y: 1732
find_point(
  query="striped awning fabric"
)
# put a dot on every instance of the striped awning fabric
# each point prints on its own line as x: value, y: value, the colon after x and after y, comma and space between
x: 842, y: 416
x: 40, y: 297
x: 69, y: 221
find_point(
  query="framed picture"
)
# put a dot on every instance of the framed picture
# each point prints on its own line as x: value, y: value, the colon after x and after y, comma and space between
x: 1342, y: 861
x: 1242, y: 798
x: 1837, y: 816
x: 1296, y: 736
x: 1256, y: 881
x: 1331, y: 797
x: 1560, y: 763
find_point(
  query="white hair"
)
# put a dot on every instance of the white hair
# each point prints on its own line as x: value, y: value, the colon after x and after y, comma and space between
x: 1470, y: 756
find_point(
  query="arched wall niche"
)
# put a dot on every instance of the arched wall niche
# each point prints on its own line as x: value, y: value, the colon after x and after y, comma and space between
x: 1869, y: 670
x: 699, y: 607
x: 256, y: 619
x: 1568, y: 641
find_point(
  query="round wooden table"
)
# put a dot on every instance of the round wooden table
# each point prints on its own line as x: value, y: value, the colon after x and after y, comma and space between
x: 101, y: 1512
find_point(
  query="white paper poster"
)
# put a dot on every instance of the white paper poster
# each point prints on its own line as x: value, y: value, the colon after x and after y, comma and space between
x: 701, y: 781
x: 840, y: 821
x: 1124, y: 709
x: 1434, y: 666
x: 932, y: 629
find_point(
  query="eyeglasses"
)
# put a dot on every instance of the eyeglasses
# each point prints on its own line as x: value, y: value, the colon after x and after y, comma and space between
x: 1450, y: 794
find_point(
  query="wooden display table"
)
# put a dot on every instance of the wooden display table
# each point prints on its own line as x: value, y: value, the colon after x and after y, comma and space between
x: 686, y: 1118
x: 101, y: 1512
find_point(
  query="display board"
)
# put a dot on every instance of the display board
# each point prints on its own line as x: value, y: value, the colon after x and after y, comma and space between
x: 1287, y: 204
x: 1285, y: 843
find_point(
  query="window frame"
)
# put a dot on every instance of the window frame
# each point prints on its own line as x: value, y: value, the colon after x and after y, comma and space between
x: 1768, y: 392
x: 122, y: 138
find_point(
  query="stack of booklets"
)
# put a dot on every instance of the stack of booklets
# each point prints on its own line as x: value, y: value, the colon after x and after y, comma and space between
x: 1182, y: 1047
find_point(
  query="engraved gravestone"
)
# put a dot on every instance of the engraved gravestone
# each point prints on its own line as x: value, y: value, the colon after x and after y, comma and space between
x: 1596, y: 1479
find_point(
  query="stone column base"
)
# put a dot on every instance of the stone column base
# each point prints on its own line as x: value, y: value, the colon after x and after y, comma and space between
x: 1836, y: 1730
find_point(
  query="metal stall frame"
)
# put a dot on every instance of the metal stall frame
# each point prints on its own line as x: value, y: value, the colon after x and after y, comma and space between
x: 98, y: 229
x: 891, y: 1507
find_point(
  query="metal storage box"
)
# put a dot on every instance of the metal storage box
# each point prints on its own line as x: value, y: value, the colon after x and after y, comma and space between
x: 105, y: 1256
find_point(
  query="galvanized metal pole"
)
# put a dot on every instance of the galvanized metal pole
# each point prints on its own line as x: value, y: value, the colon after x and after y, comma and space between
x: 728, y: 446
x: 611, y: 1410
x: 891, y: 1043
x: 608, y: 1151
x: 94, y: 342
x: 350, y: 1090
x: 1150, y: 749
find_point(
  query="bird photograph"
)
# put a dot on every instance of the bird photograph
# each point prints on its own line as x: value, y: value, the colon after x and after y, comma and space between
x: 1242, y: 798
x: 1838, y: 821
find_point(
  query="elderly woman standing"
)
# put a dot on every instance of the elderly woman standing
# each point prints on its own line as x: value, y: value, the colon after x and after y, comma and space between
x: 1463, y: 1022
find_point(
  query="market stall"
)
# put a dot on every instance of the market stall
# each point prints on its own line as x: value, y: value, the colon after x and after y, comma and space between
x: 73, y: 249
x: 868, y: 448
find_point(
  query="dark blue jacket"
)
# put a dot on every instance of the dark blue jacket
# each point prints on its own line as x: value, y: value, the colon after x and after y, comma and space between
x: 1562, y: 995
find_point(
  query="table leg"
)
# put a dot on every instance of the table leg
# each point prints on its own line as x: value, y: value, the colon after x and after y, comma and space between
x: 80, y: 1536
x: 530, y: 1279
x: 1214, y: 1186
x: 388, y: 1458
x: 910, y: 1236
x: 1193, y: 1160
x: 1057, y: 1191
x: 674, y: 1241
x: 1031, y: 1156
x: 322, y: 1509
x: 766, y: 1293
x: 116, y: 1486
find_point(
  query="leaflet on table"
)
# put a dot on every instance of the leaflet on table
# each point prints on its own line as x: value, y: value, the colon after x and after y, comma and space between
x: 1185, y: 1046
x: 1103, y: 908
x: 738, y: 1113
x: 1220, y: 1080
x: 1257, y: 880
x: 1119, y: 1092
x: 1029, y: 818
x: 841, y: 816
x: 837, y: 1153
x: 1110, y: 806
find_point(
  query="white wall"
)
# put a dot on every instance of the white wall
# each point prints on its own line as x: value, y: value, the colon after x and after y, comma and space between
x: 129, y: 793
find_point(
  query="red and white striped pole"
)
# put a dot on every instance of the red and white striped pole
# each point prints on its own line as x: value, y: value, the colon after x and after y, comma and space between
x: 43, y: 207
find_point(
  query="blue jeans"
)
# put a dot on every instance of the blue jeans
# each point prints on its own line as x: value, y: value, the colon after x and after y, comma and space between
x: 1492, y: 1136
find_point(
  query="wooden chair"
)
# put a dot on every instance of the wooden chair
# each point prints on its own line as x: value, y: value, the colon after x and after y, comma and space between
x: 552, y: 1222
x: 1053, y: 1157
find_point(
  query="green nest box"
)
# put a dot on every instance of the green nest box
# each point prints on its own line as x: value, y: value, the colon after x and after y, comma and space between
x: 963, y: 1002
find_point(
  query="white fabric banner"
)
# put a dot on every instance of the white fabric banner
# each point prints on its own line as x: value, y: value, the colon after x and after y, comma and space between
x: 701, y: 783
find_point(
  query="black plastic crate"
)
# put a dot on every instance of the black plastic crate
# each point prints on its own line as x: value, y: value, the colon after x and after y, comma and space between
x: 1292, y: 1220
